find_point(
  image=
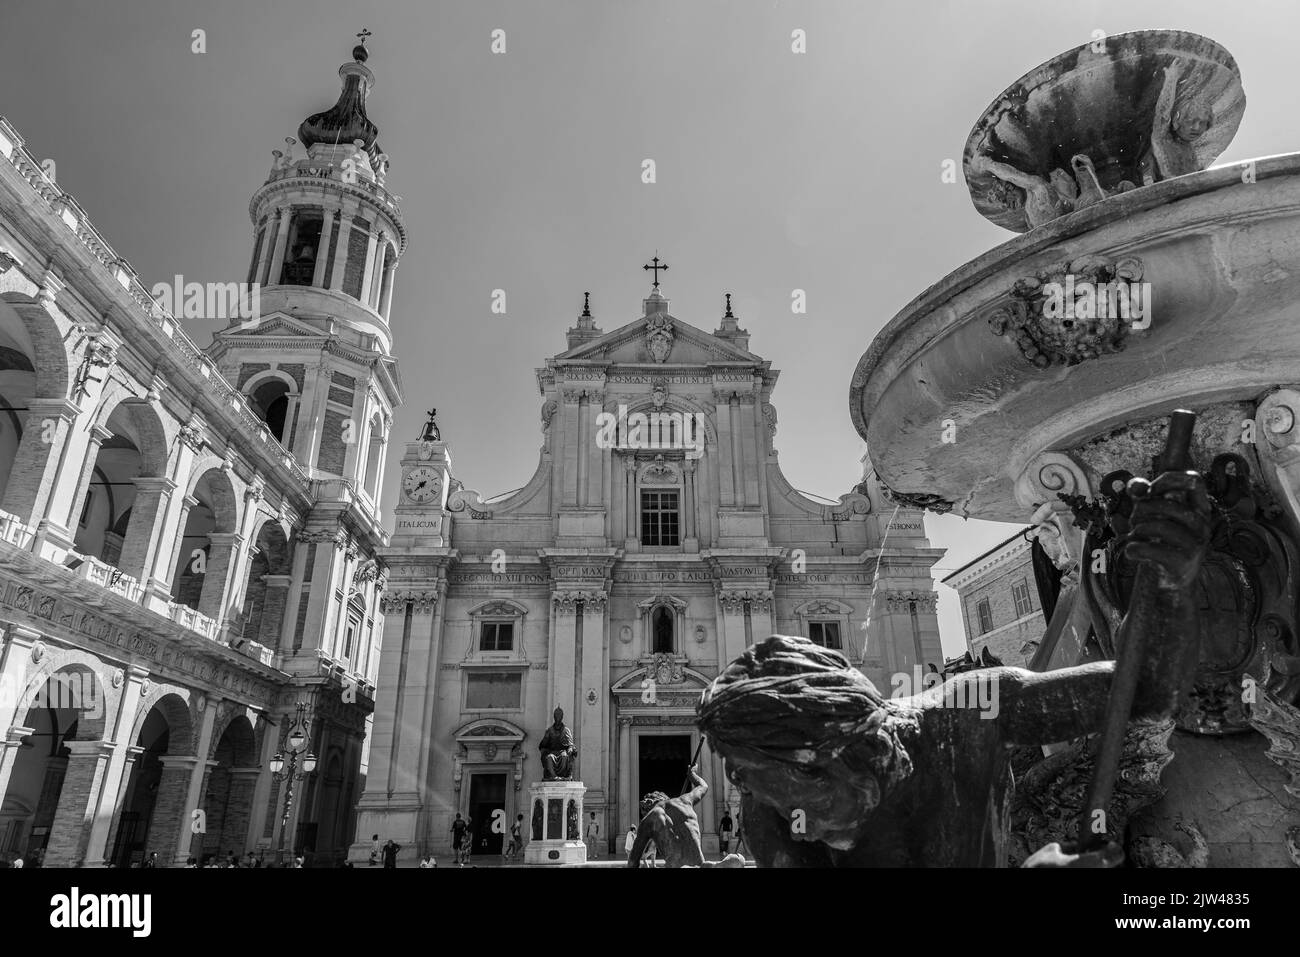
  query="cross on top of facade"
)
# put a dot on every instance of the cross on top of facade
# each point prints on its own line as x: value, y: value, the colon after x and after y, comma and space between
x: 655, y: 268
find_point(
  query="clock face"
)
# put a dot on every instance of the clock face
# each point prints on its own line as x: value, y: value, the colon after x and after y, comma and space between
x: 422, y: 485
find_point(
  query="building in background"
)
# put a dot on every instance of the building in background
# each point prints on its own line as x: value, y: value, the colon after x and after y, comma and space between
x: 189, y: 537
x: 657, y: 539
x: 1000, y: 605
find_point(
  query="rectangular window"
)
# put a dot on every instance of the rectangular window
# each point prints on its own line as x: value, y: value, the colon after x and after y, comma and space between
x: 659, y: 518
x: 497, y: 636
x: 493, y: 689
x: 824, y: 633
x: 351, y: 637
x: 1020, y: 592
x: 985, y: 614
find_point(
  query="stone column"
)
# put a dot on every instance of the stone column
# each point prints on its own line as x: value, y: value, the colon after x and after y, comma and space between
x: 302, y: 554
x: 377, y: 274
x: 315, y: 395
x: 239, y: 809
x: 431, y: 694
x: 420, y: 666
x: 341, y: 249
x: 281, y: 241
x: 276, y: 596
x: 222, y: 556
x: 264, y: 256
x: 564, y: 644
x: 689, y: 533
x: 262, y: 788
x: 38, y: 458
x: 167, y: 549
x: 144, y: 532
x: 731, y: 626
x: 9, y: 749
x: 124, y: 795
x: 571, y: 448
x: 15, y: 662
x: 65, y: 518
x: 589, y: 719
x: 104, y: 814
x: 322, y: 254
x: 70, y: 833
x: 630, y: 510
x: 368, y: 269
x: 760, y: 617
x: 736, y: 429
x: 627, y: 801
x: 198, y: 771
x: 163, y: 586
x: 723, y: 462
x: 751, y: 461
x: 386, y: 297
x: 170, y: 829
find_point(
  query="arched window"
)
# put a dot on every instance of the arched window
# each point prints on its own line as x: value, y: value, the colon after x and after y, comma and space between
x: 303, y: 247
x: 270, y: 400
x: 661, y: 623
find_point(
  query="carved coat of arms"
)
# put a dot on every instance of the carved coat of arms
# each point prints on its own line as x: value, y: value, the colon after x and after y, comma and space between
x: 659, y: 337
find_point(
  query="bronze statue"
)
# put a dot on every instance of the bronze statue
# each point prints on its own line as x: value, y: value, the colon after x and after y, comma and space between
x: 559, y: 756
x: 833, y: 775
x: 672, y: 825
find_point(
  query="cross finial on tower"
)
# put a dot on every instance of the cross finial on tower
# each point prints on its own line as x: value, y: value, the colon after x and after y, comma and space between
x: 728, y: 315
x: 586, y: 305
x: 359, y: 52
x: 655, y: 268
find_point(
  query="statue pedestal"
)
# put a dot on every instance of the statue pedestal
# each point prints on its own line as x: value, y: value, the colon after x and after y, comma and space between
x: 555, y: 823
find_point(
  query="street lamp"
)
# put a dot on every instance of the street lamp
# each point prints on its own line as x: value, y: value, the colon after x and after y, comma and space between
x: 296, y: 741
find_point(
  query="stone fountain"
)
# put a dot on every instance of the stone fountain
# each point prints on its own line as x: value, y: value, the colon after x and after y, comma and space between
x: 1030, y: 383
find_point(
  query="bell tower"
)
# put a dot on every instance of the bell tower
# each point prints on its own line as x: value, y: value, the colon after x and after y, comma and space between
x: 315, y: 358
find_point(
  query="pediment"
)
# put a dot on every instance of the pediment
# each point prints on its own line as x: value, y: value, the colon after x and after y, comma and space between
x: 273, y: 324
x: 629, y: 345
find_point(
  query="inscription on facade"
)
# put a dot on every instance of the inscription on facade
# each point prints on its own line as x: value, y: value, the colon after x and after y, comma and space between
x: 506, y: 578
x: 662, y: 576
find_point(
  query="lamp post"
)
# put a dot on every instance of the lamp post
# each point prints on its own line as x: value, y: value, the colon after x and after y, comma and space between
x: 296, y: 742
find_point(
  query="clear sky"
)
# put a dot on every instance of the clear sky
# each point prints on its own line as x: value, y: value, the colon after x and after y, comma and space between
x: 522, y: 171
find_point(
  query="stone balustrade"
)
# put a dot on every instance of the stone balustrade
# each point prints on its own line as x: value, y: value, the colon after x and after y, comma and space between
x: 15, y: 532
x: 107, y: 576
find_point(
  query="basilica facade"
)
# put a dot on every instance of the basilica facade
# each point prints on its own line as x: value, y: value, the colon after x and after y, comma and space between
x: 189, y: 577
x: 656, y: 540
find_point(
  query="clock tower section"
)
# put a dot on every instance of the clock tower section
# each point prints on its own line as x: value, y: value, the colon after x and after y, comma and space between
x: 397, y: 802
x: 421, y: 513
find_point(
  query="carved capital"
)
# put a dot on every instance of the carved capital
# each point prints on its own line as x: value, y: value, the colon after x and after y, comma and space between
x: 902, y: 601
x: 395, y: 602
x: 566, y: 601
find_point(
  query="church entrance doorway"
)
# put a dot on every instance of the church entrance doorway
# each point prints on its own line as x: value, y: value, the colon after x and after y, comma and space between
x: 662, y: 760
x: 487, y: 796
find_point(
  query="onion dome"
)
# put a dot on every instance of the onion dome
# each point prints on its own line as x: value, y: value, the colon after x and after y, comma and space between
x: 346, y: 120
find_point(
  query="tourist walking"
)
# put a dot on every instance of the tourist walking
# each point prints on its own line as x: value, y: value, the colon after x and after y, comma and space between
x: 390, y: 853
x: 724, y: 833
x: 374, y: 850
x: 516, y: 844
